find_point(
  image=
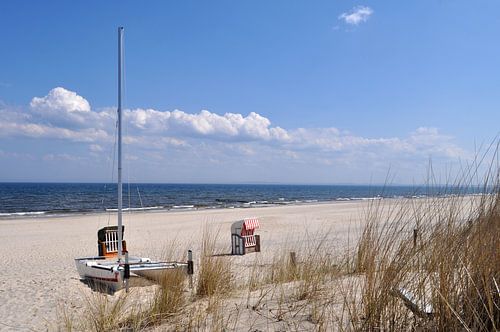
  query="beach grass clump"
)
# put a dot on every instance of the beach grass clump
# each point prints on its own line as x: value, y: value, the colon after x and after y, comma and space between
x: 432, y: 263
x: 169, y: 297
x: 463, y: 268
x: 66, y: 320
x: 168, y: 300
x: 103, y: 312
x: 283, y: 268
x: 215, y: 276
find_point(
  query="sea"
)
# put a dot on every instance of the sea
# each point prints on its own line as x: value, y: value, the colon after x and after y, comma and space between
x: 48, y: 199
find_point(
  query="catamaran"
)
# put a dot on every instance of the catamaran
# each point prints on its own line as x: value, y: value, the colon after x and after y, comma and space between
x: 113, y: 266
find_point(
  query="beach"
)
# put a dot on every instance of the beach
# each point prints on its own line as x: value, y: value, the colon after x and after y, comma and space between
x: 39, y: 272
x: 39, y: 283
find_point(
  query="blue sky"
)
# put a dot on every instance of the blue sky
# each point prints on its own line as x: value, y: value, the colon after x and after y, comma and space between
x: 248, y: 91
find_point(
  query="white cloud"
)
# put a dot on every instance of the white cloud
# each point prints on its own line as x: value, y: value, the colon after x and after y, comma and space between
x: 60, y: 98
x: 429, y: 139
x: 155, y: 142
x: 61, y: 107
x: 231, y: 137
x: 356, y: 15
x: 35, y: 130
x: 206, y: 124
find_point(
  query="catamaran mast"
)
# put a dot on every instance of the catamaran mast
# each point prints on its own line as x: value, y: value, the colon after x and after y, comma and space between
x: 120, y: 68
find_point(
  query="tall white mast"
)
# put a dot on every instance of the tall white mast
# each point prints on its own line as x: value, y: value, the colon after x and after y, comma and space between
x: 120, y: 68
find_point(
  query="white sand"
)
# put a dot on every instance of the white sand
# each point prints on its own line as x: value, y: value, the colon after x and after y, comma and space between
x: 38, y: 271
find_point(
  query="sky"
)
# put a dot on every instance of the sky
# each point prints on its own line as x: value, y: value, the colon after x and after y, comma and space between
x: 322, y: 92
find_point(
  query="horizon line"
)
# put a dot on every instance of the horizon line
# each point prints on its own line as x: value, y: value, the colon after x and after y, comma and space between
x: 247, y: 183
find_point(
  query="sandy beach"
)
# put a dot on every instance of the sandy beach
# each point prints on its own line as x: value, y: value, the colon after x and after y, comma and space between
x: 38, y: 253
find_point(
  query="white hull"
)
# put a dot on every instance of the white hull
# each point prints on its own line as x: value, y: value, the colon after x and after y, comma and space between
x: 110, y: 273
x: 156, y: 270
x: 106, y: 272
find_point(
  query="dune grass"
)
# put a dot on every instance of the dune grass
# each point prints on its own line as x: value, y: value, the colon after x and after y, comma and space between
x: 215, y: 276
x: 444, y: 279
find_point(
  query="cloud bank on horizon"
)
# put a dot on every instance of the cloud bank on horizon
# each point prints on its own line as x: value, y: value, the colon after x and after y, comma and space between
x: 214, y: 144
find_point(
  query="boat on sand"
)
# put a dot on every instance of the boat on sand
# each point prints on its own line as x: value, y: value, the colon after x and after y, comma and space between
x: 112, y: 267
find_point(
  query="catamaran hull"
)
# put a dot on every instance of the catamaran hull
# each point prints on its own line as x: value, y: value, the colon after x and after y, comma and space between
x: 110, y: 273
x: 101, y: 272
x: 157, y: 271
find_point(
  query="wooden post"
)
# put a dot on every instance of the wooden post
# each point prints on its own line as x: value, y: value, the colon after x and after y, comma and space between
x: 257, y: 243
x: 126, y: 273
x: 190, y: 268
x: 233, y: 245
x: 293, y: 259
x: 415, y: 237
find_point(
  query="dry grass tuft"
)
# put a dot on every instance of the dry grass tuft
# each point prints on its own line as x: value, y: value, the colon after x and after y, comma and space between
x: 65, y: 320
x: 168, y: 300
x: 103, y: 312
x: 215, y: 276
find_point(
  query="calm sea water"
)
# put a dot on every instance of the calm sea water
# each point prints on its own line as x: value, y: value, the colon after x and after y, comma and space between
x: 22, y: 199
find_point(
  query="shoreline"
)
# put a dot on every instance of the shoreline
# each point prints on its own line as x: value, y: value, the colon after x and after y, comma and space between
x: 33, y: 215
x: 145, y: 212
x: 55, y: 214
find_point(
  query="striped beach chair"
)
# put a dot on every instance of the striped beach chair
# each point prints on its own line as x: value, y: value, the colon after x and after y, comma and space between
x: 243, y: 237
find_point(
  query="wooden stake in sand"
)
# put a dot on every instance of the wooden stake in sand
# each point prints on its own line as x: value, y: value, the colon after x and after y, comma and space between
x: 293, y: 259
x: 415, y: 237
x: 190, y: 268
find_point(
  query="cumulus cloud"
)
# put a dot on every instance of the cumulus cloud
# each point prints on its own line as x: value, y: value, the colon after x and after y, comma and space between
x: 61, y: 107
x: 60, y: 98
x: 356, y: 15
x: 206, y: 124
x: 64, y: 115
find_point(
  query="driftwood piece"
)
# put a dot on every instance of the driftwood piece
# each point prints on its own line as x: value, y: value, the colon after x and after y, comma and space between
x: 411, y: 303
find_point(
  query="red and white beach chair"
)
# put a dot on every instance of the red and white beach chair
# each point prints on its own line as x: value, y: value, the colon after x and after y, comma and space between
x: 243, y: 237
